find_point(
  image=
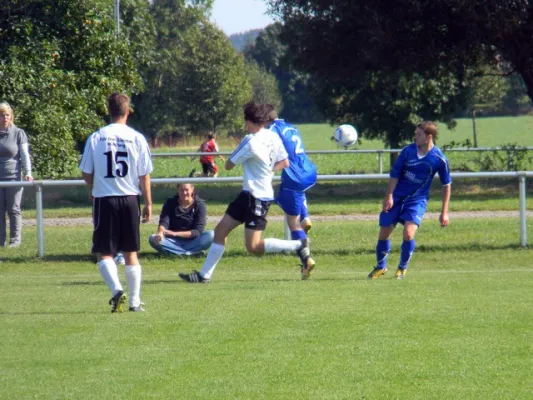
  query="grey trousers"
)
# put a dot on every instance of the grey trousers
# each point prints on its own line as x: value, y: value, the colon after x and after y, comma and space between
x: 10, y: 199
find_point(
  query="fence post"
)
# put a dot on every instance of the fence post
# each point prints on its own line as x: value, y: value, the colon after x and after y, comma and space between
x: 286, y: 230
x: 523, y: 225
x: 40, y: 220
x: 380, y: 158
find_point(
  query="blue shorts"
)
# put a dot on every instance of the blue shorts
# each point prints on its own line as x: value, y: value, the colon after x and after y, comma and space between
x: 292, y: 202
x: 402, y: 211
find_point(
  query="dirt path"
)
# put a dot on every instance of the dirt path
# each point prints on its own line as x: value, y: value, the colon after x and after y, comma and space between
x: 354, y: 217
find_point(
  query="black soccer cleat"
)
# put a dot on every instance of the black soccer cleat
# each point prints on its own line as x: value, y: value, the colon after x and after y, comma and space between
x: 193, y: 277
x: 118, y: 302
x: 304, y: 252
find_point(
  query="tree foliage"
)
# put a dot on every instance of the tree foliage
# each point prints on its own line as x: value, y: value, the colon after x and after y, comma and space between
x: 295, y: 87
x: 196, y: 81
x: 264, y: 85
x: 418, y: 50
x: 213, y: 84
x: 59, y: 60
x: 241, y: 40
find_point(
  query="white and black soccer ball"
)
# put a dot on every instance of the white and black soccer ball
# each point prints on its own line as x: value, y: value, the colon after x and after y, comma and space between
x: 345, y: 135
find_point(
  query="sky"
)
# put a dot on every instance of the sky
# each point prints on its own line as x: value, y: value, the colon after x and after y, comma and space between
x: 236, y: 16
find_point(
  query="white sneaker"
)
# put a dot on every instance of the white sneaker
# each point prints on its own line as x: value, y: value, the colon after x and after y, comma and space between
x: 119, y: 259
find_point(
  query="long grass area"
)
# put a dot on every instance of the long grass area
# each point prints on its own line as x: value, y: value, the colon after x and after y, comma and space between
x: 328, y: 198
x: 491, y: 132
x: 459, y: 325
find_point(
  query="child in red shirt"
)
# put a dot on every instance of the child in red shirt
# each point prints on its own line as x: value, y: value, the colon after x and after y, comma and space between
x: 209, y: 167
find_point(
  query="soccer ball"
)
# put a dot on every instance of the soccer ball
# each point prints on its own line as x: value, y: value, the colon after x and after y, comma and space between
x: 345, y: 135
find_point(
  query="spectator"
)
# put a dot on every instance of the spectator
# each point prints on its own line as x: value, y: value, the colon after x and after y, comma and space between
x: 181, y: 224
x: 14, y: 159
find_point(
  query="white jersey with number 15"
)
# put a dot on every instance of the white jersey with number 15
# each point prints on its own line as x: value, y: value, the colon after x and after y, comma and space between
x: 117, y: 156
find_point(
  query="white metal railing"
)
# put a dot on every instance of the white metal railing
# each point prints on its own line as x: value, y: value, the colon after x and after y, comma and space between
x: 39, y: 185
x: 379, y: 152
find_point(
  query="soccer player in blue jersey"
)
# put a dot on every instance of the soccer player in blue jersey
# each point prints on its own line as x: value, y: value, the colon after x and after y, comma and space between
x: 295, y: 180
x: 407, y: 195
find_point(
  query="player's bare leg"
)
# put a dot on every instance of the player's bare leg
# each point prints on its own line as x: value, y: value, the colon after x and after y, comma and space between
x: 306, y: 225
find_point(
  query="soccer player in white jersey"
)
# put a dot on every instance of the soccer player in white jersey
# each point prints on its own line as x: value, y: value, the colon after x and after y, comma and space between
x: 261, y: 152
x: 116, y: 166
x: 407, y: 195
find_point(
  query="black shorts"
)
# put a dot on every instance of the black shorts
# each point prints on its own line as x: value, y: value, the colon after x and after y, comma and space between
x: 209, y: 168
x: 250, y: 211
x: 116, y: 222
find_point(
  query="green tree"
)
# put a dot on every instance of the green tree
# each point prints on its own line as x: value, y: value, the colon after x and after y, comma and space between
x: 418, y: 35
x: 213, y: 84
x: 295, y: 87
x: 264, y: 85
x: 59, y: 60
x: 157, y: 111
x: 197, y: 81
x: 357, y: 76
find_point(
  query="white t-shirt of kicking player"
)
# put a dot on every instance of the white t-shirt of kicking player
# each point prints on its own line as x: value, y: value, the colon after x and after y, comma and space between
x: 258, y: 153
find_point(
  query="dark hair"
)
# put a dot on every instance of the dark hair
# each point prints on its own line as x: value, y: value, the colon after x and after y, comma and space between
x: 118, y: 105
x: 429, y: 128
x: 211, y: 135
x: 259, y: 114
x: 273, y: 115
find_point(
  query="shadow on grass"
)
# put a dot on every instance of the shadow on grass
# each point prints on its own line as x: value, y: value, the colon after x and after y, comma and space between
x: 102, y: 283
x: 50, y: 313
x: 146, y: 258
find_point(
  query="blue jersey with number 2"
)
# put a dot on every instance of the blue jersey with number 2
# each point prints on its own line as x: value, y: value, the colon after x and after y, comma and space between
x: 415, y: 173
x: 301, y: 174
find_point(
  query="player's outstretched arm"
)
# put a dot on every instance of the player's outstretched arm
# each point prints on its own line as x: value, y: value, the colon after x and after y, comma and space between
x: 146, y: 190
x: 446, y: 194
x: 388, y: 202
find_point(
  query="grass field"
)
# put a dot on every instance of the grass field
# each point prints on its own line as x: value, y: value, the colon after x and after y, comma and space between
x: 458, y: 327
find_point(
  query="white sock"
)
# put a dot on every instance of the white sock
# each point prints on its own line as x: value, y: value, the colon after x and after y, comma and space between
x: 279, y: 245
x: 213, y: 257
x: 134, y: 276
x: 108, y: 270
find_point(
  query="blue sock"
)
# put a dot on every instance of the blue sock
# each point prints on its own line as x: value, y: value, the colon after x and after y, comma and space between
x: 408, y: 247
x: 382, y: 253
x: 297, y: 235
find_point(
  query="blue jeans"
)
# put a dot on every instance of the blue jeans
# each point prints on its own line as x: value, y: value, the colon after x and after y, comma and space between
x: 183, y: 247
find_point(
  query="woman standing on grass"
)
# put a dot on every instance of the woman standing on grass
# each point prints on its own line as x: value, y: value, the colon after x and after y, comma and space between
x: 14, y: 158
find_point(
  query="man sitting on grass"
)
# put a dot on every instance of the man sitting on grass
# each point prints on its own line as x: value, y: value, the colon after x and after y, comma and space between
x: 181, y: 224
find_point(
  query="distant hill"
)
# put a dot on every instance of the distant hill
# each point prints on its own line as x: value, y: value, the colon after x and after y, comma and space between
x: 240, y: 40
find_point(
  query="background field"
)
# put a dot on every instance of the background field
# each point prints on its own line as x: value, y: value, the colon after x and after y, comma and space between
x: 332, y: 198
x: 457, y: 327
